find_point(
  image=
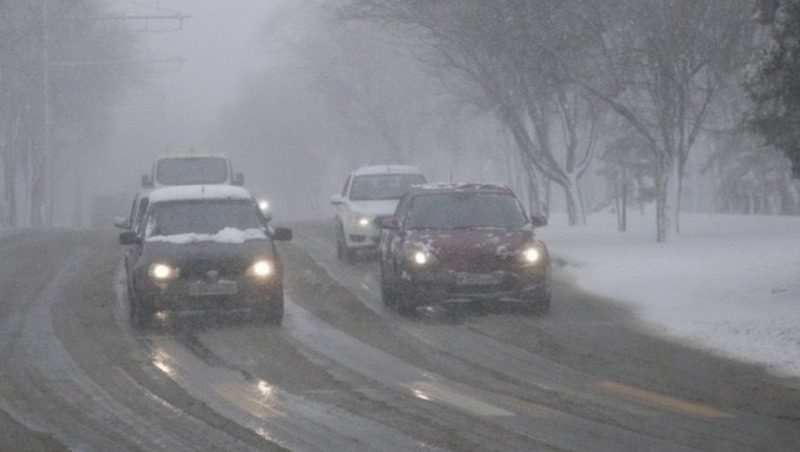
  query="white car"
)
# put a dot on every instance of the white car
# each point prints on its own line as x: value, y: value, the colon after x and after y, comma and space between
x: 370, y: 192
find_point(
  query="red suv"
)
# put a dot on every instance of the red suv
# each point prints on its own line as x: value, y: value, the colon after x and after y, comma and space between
x: 462, y: 243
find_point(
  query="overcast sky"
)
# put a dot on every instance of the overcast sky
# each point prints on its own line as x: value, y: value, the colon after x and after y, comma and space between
x: 220, y: 48
x: 176, y: 108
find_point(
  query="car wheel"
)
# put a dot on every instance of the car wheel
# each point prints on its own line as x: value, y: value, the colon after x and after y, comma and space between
x: 388, y: 291
x: 273, y: 315
x: 539, y: 303
x: 141, y: 313
x: 406, y: 301
x: 343, y: 252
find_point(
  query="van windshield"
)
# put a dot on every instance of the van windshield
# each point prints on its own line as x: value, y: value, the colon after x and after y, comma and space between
x: 192, y: 171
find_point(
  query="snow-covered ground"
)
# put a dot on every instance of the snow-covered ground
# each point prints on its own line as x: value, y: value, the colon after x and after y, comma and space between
x: 729, y: 283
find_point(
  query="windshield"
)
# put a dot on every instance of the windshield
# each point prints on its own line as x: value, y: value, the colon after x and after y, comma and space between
x: 201, y: 217
x: 465, y: 210
x: 192, y: 170
x: 383, y: 186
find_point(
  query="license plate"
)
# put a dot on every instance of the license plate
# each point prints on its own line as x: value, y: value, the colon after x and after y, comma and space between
x: 472, y: 279
x: 211, y: 289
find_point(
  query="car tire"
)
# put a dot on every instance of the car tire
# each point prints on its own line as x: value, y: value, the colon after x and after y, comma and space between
x: 141, y: 313
x: 539, y: 303
x: 274, y: 314
x: 343, y: 252
x: 406, y: 303
x: 388, y: 290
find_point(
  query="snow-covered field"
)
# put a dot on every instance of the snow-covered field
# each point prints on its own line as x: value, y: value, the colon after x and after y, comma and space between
x: 729, y: 283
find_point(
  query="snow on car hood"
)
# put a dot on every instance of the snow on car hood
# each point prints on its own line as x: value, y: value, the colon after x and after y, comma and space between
x: 375, y: 208
x: 227, y: 235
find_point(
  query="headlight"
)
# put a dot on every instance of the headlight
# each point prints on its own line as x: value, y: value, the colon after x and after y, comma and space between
x: 421, y: 258
x: 364, y: 222
x: 263, y: 205
x: 262, y: 269
x: 531, y: 255
x: 162, y: 272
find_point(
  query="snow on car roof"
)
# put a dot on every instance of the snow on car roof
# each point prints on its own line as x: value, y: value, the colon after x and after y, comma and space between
x: 177, y: 154
x: 187, y: 156
x: 386, y: 169
x: 461, y: 186
x: 194, y: 192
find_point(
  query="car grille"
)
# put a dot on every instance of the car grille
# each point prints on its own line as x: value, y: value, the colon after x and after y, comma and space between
x: 211, y: 269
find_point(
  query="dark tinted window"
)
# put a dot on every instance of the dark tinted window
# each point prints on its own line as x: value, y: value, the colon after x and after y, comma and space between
x: 465, y: 210
x: 382, y: 186
x: 192, y: 170
x: 201, y: 217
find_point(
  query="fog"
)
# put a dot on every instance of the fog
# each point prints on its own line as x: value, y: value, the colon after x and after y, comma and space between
x: 178, y: 103
x: 298, y: 94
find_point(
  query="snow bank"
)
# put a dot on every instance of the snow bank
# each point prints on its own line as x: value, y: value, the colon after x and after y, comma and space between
x: 227, y: 235
x: 728, y: 283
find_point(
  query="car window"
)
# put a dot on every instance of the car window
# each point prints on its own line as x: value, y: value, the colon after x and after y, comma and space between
x: 465, y: 210
x: 382, y: 186
x: 344, y: 189
x: 192, y: 170
x: 201, y: 217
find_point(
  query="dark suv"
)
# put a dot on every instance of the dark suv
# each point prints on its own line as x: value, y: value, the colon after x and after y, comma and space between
x: 203, y: 248
x: 463, y: 243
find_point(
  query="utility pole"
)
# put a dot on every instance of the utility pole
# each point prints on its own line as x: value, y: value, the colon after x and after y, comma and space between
x: 44, y: 215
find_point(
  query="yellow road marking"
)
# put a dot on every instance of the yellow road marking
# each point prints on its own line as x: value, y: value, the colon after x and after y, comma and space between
x: 666, y: 402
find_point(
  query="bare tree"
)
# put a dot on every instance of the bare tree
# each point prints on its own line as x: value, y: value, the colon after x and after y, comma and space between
x: 661, y: 65
x: 491, y: 55
x: 48, y: 63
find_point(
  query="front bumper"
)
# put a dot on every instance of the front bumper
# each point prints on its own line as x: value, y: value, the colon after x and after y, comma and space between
x: 362, y: 237
x: 175, y: 296
x: 431, y: 287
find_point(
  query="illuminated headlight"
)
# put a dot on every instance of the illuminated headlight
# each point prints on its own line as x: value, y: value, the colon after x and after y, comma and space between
x: 364, y: 222
x: 421, y: 258
x: 531, y: 255
x: 263, y: 205
x: 162, y: 272
x: 262, y: 269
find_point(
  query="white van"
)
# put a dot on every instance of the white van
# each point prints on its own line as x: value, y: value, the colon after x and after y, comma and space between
x: 192, y: 169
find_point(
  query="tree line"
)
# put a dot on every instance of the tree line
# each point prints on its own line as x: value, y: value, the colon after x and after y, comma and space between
x: 63, y: 64
x: 647, y: 95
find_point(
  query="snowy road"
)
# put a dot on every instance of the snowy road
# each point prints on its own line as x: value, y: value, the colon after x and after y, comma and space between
x: 345, y: 373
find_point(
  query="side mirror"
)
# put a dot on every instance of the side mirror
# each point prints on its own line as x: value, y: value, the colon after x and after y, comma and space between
x: 388, y: 223
x: 121, y: 223
x: 129, y: 238
x: 238, y: 179
x: 147, y: 182
x: 282, y: 234
x: 337, y: 200
x: 538, y: 221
